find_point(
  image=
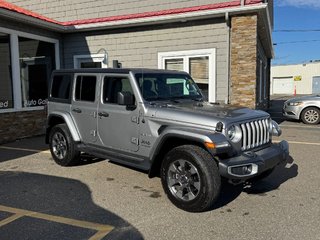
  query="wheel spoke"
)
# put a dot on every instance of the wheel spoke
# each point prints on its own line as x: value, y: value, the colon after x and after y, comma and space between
x: 183, y: 180
x: 311, y: 116
x: 59, y: 145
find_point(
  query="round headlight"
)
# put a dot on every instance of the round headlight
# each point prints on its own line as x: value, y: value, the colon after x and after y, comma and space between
x: 234, y: 133
x: 275, y: 130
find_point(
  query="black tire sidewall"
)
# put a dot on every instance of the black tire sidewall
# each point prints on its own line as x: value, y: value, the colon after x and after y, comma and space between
x: 209, y: 177
x: 72, y: 155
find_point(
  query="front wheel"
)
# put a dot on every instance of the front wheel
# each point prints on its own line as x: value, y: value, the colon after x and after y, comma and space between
x: 190, y: 178
x: 62, y: 147
x: 311, y: 115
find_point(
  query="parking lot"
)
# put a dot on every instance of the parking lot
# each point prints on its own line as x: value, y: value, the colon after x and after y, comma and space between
x: 102, y: 200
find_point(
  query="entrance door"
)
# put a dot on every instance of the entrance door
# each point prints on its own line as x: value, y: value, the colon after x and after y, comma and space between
x: 84, y: 107
x: 283, y: 85
x: 316, y: 85
x: 118, y: 126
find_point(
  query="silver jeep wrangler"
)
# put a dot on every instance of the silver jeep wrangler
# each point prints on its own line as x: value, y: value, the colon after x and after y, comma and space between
x: 157, y: 121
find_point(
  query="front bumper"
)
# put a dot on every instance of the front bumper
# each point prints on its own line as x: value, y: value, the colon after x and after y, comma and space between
x: 291, y: 112
x: 251, y: 164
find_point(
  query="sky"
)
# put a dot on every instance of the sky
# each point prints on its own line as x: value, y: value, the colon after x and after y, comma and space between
x: 296, y: 35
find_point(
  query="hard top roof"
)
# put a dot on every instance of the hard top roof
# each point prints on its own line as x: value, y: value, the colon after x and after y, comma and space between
x: 117, y: 70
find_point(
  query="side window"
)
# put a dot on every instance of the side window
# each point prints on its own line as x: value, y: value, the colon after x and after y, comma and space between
x: 61, y: 87
x: 86, y: 88
x: 112, y: 85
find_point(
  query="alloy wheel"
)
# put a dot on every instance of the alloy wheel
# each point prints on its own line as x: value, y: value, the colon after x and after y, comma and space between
x: 59, y: 145
x: 311, y: 116
x: 183, y: 180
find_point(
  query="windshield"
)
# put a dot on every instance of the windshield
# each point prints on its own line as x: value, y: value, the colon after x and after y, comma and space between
x: 164, y: 86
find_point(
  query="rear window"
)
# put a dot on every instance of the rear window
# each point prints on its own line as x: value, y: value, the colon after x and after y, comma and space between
x: 61, y: 87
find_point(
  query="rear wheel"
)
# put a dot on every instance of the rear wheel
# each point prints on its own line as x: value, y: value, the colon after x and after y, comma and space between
x: 190, y: 178
x: 62, y: 147
x: 310, y: 115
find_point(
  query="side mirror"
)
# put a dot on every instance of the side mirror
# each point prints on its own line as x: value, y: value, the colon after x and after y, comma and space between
x: 125, y: 98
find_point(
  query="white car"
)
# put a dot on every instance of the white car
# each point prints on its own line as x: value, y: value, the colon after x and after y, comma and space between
x: 305, y: 108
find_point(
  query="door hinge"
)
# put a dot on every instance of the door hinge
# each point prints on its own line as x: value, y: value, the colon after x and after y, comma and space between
x: 93, y: 114
x: 93, y: 133
x: 135, y: 140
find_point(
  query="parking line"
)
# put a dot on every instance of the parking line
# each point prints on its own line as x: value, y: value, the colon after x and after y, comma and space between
x: 10, y: 219
x: 24, y: 149
x: 302, y: 143
x: 102, y: 230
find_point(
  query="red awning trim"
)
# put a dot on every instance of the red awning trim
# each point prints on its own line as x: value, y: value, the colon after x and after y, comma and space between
x: 14, y: 8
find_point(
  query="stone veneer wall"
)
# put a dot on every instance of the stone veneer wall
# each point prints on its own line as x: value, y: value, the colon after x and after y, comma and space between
x: 16, y: 125
x: 243, y: 70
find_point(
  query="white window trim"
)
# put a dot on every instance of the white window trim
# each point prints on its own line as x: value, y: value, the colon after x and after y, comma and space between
x: 15, y: 63
x: 77, y: 59
x: 211, y: 53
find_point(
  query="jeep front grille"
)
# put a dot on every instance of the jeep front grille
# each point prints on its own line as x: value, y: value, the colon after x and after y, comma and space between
x: 255, y: 133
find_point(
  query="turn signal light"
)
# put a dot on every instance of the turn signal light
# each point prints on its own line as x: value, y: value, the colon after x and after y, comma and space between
x: 210, y: 145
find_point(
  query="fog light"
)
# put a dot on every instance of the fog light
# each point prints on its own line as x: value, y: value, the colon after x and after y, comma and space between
x: 243, y: 170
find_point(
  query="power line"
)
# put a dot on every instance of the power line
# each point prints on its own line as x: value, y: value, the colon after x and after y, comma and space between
x: 297, y: 30
x: 305, y: 41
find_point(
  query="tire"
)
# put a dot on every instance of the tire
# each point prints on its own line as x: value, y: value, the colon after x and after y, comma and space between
x: 310, y: 115
x: 190, y: 178
x: 62, y: 147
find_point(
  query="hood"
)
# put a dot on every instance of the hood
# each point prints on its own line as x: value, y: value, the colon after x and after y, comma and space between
x: 304, y: 98
x: 205, y: 114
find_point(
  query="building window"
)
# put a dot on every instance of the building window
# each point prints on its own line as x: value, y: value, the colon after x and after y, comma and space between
x: 6, y: 94
x: 37, y: 60
x: 90, y: 61
x: 262, y: 67
x: 200, y: 64
x: 26, y: 63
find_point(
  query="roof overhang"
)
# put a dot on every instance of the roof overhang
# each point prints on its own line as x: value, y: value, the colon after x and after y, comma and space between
x: 170, y: 18
x: 229, y: 9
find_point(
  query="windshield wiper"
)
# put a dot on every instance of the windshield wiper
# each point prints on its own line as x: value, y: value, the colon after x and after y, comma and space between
x: 198, y: 99
x: 156, y: 98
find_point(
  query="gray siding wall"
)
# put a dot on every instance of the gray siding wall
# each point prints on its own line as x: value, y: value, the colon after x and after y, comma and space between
x: 66, y: 10
x: 139, y: 47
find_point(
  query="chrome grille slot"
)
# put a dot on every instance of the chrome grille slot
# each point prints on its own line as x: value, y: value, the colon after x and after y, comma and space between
x: 254, y: 134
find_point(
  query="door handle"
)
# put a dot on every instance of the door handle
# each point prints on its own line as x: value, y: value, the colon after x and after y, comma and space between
x: 77, y: 110
x: 103, y: 114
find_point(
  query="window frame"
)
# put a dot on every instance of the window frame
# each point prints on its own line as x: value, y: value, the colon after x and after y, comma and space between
x: 122, y: 76
x: 78, y: 59
x: 15, y: 66
x: 75, y: 85
x: 262, y: 63
x: 61, y: 100
x: 186, y: 55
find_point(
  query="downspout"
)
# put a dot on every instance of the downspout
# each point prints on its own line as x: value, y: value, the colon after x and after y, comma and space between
x: 228, y: 23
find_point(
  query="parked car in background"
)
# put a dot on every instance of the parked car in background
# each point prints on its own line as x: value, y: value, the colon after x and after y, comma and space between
x: 306, y: 109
